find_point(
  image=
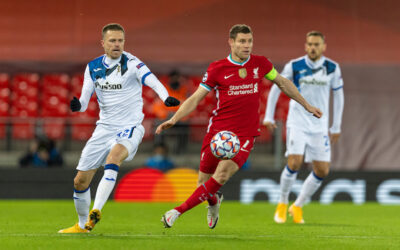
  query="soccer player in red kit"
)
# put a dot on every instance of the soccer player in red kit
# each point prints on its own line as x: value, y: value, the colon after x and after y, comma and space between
x: 235, y: 80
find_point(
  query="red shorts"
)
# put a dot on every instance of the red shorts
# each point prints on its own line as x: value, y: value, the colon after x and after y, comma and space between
x: 208, y: 162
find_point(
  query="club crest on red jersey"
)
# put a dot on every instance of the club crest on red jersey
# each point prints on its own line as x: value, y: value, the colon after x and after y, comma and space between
x: 205, y: 77
x: 242, y: 73
x: 255, y: 72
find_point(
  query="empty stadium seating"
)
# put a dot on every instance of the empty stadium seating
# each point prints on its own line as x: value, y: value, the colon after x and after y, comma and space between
x: 40, y: 104
x: 4, y: 102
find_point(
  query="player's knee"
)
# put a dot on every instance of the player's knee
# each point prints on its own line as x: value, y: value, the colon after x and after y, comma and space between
x: 201, y: 181
x: 294, y: 165
x: 221, y: 177
x: 321, y: 172
x: 224, y: 171
x: 114, y: 159
x: 117, y: 155
x: 80, y: 183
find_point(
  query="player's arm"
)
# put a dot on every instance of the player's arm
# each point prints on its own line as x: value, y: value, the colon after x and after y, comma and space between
x: 273, y: 97
x: 82, y: 103
x: 338, y: 105
x: 291, y: 91
x: 186, y: 108
x: 145, y: 76
x: 152, y: 81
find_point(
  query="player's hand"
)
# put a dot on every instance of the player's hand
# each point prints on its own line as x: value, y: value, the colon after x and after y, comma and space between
x: 171, y: 101
x: 75, y: 104
x: 270, y: 126
x: 315, y: 111
x: 334, y: 138
x: 165, y: 125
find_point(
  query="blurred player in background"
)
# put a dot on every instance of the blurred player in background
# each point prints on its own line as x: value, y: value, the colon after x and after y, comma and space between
x: 314, y: 75
x: 235, y: 80
x: 117, y: 77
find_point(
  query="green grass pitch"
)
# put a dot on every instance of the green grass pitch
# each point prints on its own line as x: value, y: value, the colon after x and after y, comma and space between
x: 34, y: 225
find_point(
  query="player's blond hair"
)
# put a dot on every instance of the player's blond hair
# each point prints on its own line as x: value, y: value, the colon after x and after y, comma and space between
x: 316, y: 33
x: 112, y: 26
x: 239, y: 28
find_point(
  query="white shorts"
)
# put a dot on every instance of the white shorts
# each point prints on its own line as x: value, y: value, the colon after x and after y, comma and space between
x: 315, y: 146
x: 103, y: 140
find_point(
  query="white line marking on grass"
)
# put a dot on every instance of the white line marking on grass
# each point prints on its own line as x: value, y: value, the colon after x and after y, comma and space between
x: 198, y: 235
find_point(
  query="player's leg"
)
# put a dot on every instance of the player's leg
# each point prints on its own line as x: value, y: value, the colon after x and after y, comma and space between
x: 93, y: 156
x: 203, y: 177
x: 124, y: 148
x: 240, y: 159
x: 288, y: 176
x: 220, y: 174
x: 209, y: 188
x: 82, y: 200
x: 319, y: 152
x: 295, y: 150
x: 214, y: 202
x: 114, y: 159
x: 208, y: 165
x: 82, y: 197
x: 225, y: 169
x: 287, y: 179
x: 313, y: 182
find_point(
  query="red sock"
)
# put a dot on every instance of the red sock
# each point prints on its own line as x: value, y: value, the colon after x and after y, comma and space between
x: 202, y: 193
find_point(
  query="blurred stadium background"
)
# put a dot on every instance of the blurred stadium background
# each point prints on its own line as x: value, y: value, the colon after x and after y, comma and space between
x: 45, y: 45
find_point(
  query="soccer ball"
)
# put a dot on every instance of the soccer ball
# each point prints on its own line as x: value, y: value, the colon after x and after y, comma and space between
x: 225, y: 145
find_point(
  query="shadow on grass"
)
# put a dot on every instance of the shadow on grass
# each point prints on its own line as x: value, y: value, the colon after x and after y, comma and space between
x: 320, y: 225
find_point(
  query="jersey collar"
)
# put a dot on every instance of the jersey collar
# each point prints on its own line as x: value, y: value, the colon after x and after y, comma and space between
x: 237, y: 63
x: 109, y: 63
x: 313, y: 64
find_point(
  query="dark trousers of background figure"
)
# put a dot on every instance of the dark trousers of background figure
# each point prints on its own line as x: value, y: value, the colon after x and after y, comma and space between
x: 176, y: 138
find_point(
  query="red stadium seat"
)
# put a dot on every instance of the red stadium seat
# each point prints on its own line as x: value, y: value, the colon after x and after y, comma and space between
x: 52, y: 106
x: 265, y: 135
x: 82, y: 131
x: 4, y: 80
x: 24, y: 103
x: 5, y: 94
x: 4, y: 108
x: 31, y: 92
x: 83, y: 123
x: 23, y: 131
x: 197, y: 132
x: 30, y: 110
x: 282, y: 108
x: 60, y: 80
x: 92, y: 109
x: 149, y: 129
x: 4, y: 101
x: 194, y: 83
x: 31, y: 79
x: 54, y: 129
x: 2, y: 130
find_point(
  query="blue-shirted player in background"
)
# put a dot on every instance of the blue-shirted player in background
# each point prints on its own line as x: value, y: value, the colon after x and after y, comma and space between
x: 117, y: 77
x: 315, y: 76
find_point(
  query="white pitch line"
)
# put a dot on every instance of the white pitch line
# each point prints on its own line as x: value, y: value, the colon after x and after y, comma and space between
x: 199, y: 235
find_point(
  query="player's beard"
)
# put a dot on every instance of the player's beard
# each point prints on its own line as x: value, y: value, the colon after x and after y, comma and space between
x: 243, y: 56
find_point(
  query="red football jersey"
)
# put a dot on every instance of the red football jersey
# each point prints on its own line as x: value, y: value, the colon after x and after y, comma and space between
x: 237, y: 92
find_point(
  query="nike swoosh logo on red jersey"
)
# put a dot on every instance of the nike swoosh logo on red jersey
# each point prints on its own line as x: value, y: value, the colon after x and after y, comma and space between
x: 226, y: 77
